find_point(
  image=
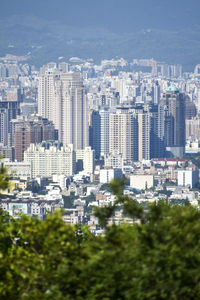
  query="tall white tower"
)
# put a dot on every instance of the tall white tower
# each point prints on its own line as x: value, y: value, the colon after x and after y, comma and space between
x: 104, y: 131
x: 46, y: 95
x: 62, y: 99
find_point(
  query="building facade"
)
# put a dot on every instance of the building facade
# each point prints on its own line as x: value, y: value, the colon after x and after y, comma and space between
x: 123, y: 135
x: 35, y: 130
x: 49, y: 158
x: 8, y: 111
x: 95, y: 132
x: 62, y: 99
x: 172, y: 107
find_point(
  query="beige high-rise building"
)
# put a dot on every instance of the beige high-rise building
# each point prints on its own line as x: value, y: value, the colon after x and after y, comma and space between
x: 62, y: 99
x: 46, y: 95
x: 123, y: 135
x: 193, y: 128
x: 135, y: 133
x: 144, y: 142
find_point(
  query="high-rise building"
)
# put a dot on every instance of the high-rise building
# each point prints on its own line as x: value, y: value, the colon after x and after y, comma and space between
x: 156, y: 93
x: 172, y: 107
x: 62, y: 99
x: 135, y: 133
x: 35, y: 130
x: 64, y: 67
x: 8, y: 110
x: 156, y: 141
x: 123, y: 135
x: 3, y: 71
x: 175, y: 71
x: 104, y: 131
x: 192, y: 128
x: 46, y: 95
x: 144, y: 142
x: 14, y: 94
x: 165, y: 70
x: 190, y: 109
x: 94, y: 132
x: 146, y: 134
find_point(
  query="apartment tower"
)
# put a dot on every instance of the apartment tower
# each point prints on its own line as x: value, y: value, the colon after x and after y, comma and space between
x: 62, y: 99
x: 173, y: 111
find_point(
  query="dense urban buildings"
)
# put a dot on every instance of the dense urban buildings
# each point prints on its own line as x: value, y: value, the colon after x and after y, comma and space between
x: 76, y: 125
x: 139, y: 115
x: 34, y: 130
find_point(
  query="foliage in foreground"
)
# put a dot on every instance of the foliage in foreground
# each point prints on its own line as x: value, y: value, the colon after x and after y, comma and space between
x: 4, y: 179
x: 156, y: 258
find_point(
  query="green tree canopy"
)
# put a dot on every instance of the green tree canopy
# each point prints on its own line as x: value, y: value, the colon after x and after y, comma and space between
x: 157, y: 257
x: 4, y: 179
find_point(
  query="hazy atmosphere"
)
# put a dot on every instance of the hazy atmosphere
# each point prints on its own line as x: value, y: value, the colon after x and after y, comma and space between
x: 164, y: 30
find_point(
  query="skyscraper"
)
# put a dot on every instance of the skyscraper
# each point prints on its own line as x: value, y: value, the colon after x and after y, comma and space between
x: 172, y: 107
x: 144, y: 142
x: 134, y: 131
x: 8, y: 110
x: 123, y: 134
x: 104, y: 131
x: 46, y: 95
x: 62, y: 99
x: 156, y: 93
x: 149, y: 143
x: 95, y: 131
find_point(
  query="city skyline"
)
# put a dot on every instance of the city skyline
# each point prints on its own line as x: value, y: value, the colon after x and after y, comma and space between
x: 71, y: 126
x: 63, y: 99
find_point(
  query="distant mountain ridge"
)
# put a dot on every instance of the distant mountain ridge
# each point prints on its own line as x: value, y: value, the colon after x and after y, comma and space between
x: 48, y: 40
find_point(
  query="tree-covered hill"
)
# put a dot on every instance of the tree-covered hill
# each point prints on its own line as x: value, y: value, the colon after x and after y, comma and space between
x: 47, y: 40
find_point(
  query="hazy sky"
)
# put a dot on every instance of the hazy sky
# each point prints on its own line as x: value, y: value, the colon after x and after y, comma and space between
x: 115, y: 15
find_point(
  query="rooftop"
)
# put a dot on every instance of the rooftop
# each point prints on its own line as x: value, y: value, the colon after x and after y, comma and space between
x: 172, y: 88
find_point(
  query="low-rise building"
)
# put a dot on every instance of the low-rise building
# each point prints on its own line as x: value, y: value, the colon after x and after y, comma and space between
x: 188, y: 178
x: 18, y: 169
x: 141, y: 182
x: 114, y: 160
x: 86, y: 156
x: 106, y: 175
x: 49, y: 158
x: 33, y: 205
